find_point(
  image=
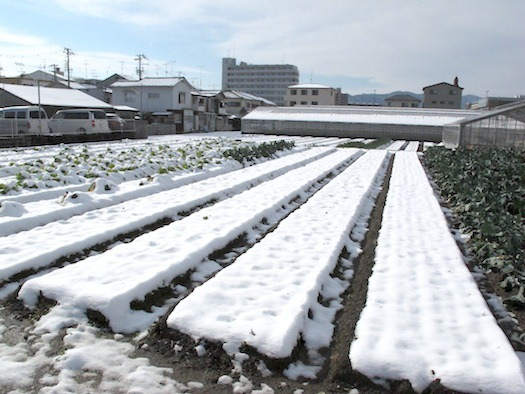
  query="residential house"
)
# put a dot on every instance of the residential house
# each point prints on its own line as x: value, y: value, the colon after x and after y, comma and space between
x: 443, y: 95
x: 240, y: 103
x: 402, y: 101
x: 158, y: 97
x: 209, y: 111
x: 310, y: 94
x: 39, y: 77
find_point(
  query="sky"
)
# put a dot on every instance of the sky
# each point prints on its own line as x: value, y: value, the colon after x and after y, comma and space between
x: 360, y: 46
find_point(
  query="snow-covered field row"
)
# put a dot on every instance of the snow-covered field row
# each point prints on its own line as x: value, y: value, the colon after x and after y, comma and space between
x: 272, y: 288
x: 99, y: 224
x: 109, y: 282
x: 425, y: 318
x: 105, y: 193
x: 396, y: 145
x: 412, y: 146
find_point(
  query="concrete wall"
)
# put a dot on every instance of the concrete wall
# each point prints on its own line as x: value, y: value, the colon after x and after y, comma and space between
x: 350, y: 130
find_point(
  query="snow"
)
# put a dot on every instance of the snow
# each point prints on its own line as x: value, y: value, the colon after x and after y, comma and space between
x: 164, y: 82
x: 109, y: 282
x: 54, y: 96
x: 425, y: 318
x: 309, y: 86
x: 373, y: 115
x: 285, y: 280
x: 396, y: 145
x: 100, y: 225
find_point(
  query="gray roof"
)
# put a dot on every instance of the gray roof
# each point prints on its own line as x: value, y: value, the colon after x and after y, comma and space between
x: 57, y: 97
x: 166, y: 82
x: 402, y: 97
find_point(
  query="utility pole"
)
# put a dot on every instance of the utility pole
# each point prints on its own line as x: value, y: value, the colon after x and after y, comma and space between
x: 54, y: 71
x: 139, y: 70
x: 68, y: 53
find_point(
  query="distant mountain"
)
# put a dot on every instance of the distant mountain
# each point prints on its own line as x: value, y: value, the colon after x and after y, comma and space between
x: 379, y: 99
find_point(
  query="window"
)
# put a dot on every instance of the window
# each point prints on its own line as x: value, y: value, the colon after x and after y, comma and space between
x: 21, y: 115
x: 9, y: 115
x: 182, y: 98
x: 304, y: 92
x: 451, y: 102
x: 154, y: 95
x: 129, y: 96
x: 315, y: 92
x: 76, y: 115
x: 442, y: 102
x: 434, y: 102
x: 453, y: 92
x: 433, y: 91
x: 293, y: 92
x: 34, y: 115
x: 303, y: 102
x: 315, y: 103
x: 292, y: 103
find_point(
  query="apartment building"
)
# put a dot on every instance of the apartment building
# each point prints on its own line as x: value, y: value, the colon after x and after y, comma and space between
x: 310, y: 94
x: 443, y: 95
x: 268, y: 80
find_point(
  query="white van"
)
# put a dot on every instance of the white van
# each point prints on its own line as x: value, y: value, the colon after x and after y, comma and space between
x: 27, y: 119
x: 79, y: 121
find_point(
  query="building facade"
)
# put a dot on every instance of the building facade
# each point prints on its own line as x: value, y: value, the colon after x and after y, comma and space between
x: 402, y: 101
x: 153, y: 94
x: 310, y: 94
x: 268, y: 81
x: 443, y: 95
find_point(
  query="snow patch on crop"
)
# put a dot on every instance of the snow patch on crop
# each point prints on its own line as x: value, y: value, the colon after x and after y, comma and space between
x: 12, y: 208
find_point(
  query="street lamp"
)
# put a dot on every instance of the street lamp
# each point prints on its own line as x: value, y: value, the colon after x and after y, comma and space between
x: 39, y: 106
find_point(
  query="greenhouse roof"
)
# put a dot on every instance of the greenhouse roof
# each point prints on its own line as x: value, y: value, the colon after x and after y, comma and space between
x: 371, y: 115
x: 515, y: 110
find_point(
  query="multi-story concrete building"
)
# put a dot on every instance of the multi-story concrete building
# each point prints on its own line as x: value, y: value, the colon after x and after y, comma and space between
x: 268, y: 80
x: 310, y: 94
x: 443, y: 95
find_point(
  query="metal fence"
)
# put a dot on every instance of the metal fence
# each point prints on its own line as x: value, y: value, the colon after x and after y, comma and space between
x: 14, y: 128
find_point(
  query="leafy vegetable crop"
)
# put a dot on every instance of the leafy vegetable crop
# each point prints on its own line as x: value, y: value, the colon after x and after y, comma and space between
x: 485, y: 189
x: 250, y: 152
x: 76, y: 164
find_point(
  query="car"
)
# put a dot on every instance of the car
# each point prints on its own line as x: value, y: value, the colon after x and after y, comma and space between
x: 115, y: 122
x: 26, y: 119
x: 79, y: 121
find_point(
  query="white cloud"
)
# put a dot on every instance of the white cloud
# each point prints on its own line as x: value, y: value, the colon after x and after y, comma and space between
x: 15, y: 39
x: 403, y: 46
x: 394, y: 45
